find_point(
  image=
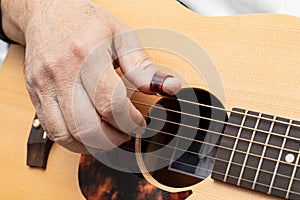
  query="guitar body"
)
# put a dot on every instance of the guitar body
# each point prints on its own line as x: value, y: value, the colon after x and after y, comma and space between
x: 257, y: 57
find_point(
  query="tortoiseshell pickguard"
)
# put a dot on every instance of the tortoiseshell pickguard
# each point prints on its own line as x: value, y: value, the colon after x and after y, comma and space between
x: 97, y: 181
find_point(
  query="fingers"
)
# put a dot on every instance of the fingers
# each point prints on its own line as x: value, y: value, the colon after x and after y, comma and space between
x: 86, y: 125
x: 56, y: 127
x: 114, y: 106
x: 84, y: 106
x: 136, y: 65
x: 53, y: 123
x: 72, y: 121
x: 107, y: 93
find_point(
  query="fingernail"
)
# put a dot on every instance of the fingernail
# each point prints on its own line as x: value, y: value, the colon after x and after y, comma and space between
x: 172, y: 85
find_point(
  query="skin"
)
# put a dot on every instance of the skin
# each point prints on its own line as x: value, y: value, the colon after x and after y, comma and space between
x: 79, y: 98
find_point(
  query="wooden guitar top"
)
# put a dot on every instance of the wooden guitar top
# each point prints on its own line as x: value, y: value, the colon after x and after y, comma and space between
x: 257, y: 57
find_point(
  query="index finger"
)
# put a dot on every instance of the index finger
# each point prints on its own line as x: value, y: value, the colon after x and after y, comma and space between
x: 136, y: 64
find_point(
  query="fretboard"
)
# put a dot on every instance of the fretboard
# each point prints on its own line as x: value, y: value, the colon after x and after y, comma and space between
x: 260, y: 152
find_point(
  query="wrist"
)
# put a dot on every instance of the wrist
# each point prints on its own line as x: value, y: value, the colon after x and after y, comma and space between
x: 27, y: 20
x: 15, y: 18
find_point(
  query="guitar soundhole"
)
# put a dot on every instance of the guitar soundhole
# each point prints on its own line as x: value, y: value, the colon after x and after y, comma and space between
x: 183, y: 133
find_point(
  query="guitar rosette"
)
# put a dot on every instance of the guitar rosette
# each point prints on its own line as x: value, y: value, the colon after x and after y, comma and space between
x: 102, y: 60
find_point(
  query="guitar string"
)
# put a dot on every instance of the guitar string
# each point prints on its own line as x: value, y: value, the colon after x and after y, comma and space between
x: 228, y: 148
x: 221, y: 134
x: 235, y: 177
x: 262, y: 184
x: 207, y: 156
x: 250, y: 115
x: 238, y: 164
x: 225, y: 123
x: 213, y: 107
x: 218, y: 108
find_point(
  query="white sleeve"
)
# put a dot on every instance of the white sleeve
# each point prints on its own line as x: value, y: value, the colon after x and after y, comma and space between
x: 235, y: 7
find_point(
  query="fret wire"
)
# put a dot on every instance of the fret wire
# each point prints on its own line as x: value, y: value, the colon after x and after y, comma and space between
x: 226, y: 123
x: 292, y: 177
x: 247, y: 180
x: 267, y: 119
x: 219, y: 146
x: 220, y: 134
x: 248, y: 151
x: 234, y: 148
x: 262, y: 184
x: 213, y: 107
x: 263, y: 155
x: 217, y: 159
x: 279, y: 156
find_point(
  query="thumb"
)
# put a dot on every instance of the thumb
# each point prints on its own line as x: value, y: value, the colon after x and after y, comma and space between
x: 138, y: 67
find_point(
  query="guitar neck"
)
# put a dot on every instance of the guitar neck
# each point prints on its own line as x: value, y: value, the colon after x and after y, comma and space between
x: 260, y: 152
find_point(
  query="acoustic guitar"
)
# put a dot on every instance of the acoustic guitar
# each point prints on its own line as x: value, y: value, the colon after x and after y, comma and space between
x: 243, y: 142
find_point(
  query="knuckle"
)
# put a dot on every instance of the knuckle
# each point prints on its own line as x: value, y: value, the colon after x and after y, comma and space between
x: 62, y: 139
x: 110, y: 103
x: 77, y: 52
x: 84, y: 132
x: 93, y: 136
x: 53, y: 68
x: 32, y: 94
x: 105, y: 109
x: 89, y: 136
x: 33, y: 75
x: 46, y: 67
x: 110, y: 108
x: 44, y: 76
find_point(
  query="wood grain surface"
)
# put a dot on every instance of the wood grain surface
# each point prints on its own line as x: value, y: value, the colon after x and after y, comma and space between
x: 256, y: 55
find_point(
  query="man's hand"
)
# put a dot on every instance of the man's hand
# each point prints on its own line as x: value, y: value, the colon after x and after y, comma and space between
x: 71, y: 46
